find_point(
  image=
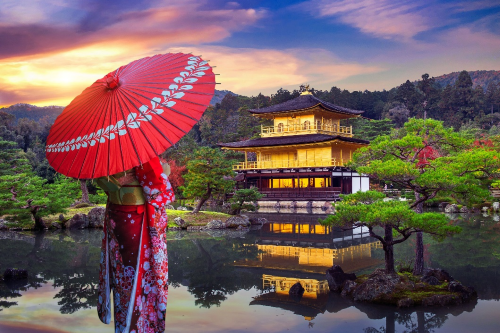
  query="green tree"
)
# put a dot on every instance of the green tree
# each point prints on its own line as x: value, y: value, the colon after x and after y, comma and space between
x: 12, y: 160
x: 244, y: 199
x: 26, y: 195
x: 430, y: 159
x: 206, y: 175
x: 398, y: 221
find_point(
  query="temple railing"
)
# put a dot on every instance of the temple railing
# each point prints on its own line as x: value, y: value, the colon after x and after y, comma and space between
x: 281, y: 164
x: 305, y: 128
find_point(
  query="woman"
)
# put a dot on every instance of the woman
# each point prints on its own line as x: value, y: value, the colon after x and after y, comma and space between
x: 134, y: 261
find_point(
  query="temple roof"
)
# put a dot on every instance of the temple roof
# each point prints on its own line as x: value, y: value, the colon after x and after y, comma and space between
x: 304, y: 102
x: 289, y: 140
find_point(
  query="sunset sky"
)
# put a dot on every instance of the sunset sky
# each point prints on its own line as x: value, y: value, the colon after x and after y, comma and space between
x: 50, y: 50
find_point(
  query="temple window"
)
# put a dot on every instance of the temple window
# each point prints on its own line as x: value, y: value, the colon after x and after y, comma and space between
x: 307, y: 125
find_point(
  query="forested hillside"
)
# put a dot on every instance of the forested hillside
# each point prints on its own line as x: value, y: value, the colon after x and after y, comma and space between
x: 460, y: 105
x: 479, y: 78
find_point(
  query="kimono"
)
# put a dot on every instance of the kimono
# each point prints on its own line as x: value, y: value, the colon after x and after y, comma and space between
x: 134, y: 262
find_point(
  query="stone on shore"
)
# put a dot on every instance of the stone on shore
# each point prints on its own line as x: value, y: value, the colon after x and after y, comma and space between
x: 216, y: 224
x: 451, y: 208
x: 378, y: 286
x: 236, y: 221
x: 336, y: 278
x: 180, y: 222
x: 78, y: 221
x: 96, y: 217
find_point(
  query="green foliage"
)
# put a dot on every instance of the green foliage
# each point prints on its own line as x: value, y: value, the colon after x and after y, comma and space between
x: 12, y: 160
x: 429, y: 159
x: 245, y: 199
x: 206, y: 175
x: 368, y: 129
x: 99, y: 198
x: 25, y: 195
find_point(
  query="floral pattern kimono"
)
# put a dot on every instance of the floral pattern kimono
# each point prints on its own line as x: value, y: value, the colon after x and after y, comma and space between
x: 134, y: 262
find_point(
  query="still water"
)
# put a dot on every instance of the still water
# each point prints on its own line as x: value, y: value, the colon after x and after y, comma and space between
x: 238, y: 282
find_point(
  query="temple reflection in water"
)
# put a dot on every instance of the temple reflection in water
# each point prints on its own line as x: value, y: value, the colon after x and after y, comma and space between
x: 294, y: 243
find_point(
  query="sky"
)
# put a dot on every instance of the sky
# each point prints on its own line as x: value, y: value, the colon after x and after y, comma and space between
x: 50, y: 50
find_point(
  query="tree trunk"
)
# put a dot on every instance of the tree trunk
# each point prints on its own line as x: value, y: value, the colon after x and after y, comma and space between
x: 85, y: 191
x: 389, y: 250
x: 39, y: 224
x: 418, y: 268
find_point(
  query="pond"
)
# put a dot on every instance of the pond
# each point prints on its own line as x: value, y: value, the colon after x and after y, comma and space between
x: 238, y: 282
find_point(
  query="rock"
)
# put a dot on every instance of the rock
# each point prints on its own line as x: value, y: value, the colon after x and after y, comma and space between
x: 170, y: 207
x: 296, y: 290
x: 215, y: 224
x: 443, y: 205
x: 451, y: 208
x: 405, y: 303
x: 56, y: 225
x: 378, y: 285
x: 466, y: 292
x: 258, y: 221
x: 336, y: 278
x: 464, y: 209
x: 496, y: 206
x: 485, y: 209
x: 79, y: 221
x: 236, y: 221
x: 180, y: 222
x: 349, y: 287
x: 438, y: 273
x: 441, y: 300
x: 182, y: 208
x: 15, y: 274
x: 432, y: 280
x: 61, y: 218
x: 2, y: 225
x: 96, y: 217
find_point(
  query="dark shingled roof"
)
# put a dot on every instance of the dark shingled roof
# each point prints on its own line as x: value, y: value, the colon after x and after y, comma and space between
x: 289, y: 140
x: 304, y: 102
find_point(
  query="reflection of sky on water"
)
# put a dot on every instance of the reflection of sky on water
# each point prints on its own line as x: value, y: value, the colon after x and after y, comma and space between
x: 234, y: 315
x: 234, y: 265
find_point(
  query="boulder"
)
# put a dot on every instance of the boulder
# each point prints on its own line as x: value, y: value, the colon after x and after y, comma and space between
x: 296, y: 290
x: 236, y: 221
x: 496, y: 206
x: 79, y: 221
x: 2, y: 225
x: 56, y: 225
x: 432, y: 280
x: 451, y: 208
x: 466, y: 292
x: 61, y: 218
x: 464, y: 209
x: 405, y: 303
x: 180, y: 222
x: 485, y: 209
x: 215, y: 224
x: 441, y: 300
x: 349, y: 287
x: 96, y: 217
x: 378, y: 285
x: 438, y: 273
x: 170, y: 207
x: 336, y: 278
x: 15, y: 274
x: 258, y: 221
x: 182, y: 208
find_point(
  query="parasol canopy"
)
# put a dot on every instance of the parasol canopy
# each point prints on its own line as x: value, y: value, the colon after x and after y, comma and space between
x: 130, y: 116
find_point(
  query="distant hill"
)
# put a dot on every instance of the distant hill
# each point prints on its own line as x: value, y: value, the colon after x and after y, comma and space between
x: 479, y: 78
x: 24, y: 110
x: 219, y: 96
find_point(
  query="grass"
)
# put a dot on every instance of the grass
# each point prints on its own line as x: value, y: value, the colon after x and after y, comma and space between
x: 198, y: 219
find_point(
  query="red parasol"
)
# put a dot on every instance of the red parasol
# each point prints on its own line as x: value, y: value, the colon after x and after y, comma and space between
x: 130, y: 115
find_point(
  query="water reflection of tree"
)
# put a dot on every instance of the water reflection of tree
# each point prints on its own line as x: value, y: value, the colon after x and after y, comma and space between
x: 470, y: 255
x: 206, y: 267
x: 71, y: 261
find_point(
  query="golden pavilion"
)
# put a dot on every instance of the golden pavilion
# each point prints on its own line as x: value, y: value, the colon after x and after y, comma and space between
x: 302, y: 156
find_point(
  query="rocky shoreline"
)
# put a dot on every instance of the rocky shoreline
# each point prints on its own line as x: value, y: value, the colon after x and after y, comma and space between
x: 434, y: 288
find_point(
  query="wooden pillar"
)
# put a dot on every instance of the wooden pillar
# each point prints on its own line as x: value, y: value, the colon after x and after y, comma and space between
x: 246, y: 159
x: 341, y: 160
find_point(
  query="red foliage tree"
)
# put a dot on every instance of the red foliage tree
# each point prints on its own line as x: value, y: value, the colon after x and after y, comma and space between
x: 176, y: 172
